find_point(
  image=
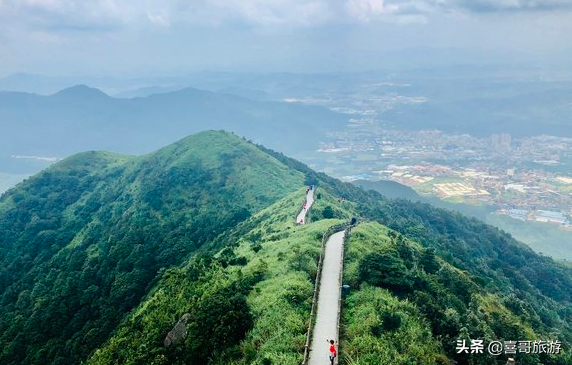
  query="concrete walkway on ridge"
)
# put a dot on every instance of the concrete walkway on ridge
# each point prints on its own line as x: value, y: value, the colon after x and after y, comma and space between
x: 301, y: 219
x: 326, y: 326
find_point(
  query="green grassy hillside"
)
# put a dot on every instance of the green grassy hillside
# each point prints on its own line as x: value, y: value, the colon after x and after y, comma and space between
x: 82, y: 242
x: 405, y: 294
x: 102, y: 256
x: 536, y: 290
x: 267, y: 266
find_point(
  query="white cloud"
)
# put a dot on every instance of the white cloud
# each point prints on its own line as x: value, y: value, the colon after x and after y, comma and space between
x: 58, y: 15
x: 105, y: 15
x: 56, y: 36
x: 159, y: 19
x: 255, y: 12
x: 492, y: 6
x: 365, y: 10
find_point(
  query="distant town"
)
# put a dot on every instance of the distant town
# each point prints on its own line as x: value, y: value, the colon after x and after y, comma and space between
x: 525, y: 178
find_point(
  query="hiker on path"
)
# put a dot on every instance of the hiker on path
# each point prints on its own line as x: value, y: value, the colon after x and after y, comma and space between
x: 333, y: 352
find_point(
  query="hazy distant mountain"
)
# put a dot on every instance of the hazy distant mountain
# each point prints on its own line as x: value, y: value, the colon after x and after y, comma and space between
x: 390, y: 189
x: 533, y: 113
x: 37, y: 84
x: 9, y: 180
x: 147, y: 91
x: 47, y: 85
x: 274, y: 86
x: 82, y: 118
x: 247, y: 93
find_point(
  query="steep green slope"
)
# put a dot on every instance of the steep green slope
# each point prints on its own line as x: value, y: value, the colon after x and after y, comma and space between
x: 534, y: 288
x: 82, y: 242
x: 408, y: 295
x: 407, y: 305
x: 465, y: 242
x: 268, y: 262
x: 110, y: 252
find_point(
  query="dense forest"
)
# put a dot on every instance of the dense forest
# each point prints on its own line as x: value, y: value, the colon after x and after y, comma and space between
x: 104, y: 257
x: 82, y: 242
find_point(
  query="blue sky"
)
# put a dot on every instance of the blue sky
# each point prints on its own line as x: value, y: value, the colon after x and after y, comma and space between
x: 149, y: 37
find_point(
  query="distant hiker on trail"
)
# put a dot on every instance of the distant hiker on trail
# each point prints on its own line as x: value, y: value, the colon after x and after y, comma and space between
x: 333, y: 352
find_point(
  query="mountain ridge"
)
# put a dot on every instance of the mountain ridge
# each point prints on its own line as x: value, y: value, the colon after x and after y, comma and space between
x: 97, y: 212
x: 79, y: 90
x: 207, y: 224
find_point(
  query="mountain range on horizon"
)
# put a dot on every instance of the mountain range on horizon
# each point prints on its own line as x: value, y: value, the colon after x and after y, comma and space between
x: 147, y: 113
x: 103, y: 254
x: 83, y: 118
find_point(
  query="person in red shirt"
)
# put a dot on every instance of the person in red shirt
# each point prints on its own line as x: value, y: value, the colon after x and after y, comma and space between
x: 333, y: 352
